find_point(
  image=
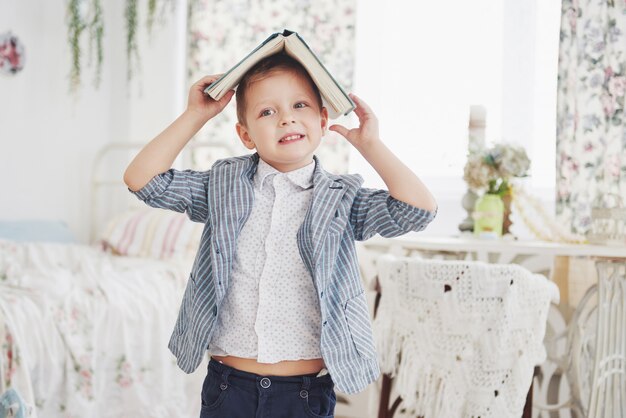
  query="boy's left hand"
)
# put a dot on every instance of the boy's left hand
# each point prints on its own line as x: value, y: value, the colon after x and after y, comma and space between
x: 367, y: 132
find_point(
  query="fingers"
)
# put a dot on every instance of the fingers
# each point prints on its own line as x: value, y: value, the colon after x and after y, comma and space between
x: 341, y: 130
x: 226, y: 98
x: 207, y: 80
x: 362, y: 108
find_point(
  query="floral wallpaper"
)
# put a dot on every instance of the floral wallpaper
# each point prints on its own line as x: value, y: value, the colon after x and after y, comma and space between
x: 591, y: 126
x: 222, y: 32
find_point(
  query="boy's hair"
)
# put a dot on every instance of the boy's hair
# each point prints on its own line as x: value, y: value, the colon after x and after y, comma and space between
x: 264, y: 68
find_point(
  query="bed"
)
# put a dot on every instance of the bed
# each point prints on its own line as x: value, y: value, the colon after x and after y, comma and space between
x: 84, y: 328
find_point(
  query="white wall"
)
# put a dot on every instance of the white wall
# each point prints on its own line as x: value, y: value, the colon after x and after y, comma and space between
x: 49, y: 138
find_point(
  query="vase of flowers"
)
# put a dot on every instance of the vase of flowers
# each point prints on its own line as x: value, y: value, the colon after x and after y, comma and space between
x: 491, y: 170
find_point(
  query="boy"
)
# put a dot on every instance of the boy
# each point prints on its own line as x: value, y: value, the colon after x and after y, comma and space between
x: 275, y: 294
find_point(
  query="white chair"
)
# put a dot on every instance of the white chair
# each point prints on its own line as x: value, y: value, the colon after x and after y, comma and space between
x: 597, y: 343
x: 460, y: 338
x: 608, y: 391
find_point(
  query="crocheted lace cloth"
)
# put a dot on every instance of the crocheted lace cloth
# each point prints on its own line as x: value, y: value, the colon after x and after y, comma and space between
x: 461, y: 338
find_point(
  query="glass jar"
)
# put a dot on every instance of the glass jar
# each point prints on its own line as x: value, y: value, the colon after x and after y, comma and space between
x: 488, y: 216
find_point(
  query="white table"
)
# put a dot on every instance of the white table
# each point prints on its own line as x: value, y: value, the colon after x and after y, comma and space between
x: 417, y: 241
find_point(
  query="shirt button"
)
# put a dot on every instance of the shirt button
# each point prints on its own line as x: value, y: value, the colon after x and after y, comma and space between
x: 325, y: 322
x: 217, y: 251
x: 265, y: 383
x: 215, y: 310
x: 322, y: 294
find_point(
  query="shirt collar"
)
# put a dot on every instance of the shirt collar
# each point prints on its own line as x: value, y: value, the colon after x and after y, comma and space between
x: 302, y: 177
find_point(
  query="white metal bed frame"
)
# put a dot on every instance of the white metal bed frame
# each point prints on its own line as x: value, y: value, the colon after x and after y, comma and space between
x: 196, y: 155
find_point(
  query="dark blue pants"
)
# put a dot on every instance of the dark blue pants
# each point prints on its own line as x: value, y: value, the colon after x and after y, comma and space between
x: 231, y: 393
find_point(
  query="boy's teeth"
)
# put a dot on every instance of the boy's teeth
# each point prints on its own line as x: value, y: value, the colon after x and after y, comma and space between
x: 289, y: 138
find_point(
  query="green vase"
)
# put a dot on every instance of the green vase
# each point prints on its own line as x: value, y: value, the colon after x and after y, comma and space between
x: 488, y: 216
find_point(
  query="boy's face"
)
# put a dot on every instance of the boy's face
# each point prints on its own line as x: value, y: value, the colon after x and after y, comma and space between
x: 284, y: 122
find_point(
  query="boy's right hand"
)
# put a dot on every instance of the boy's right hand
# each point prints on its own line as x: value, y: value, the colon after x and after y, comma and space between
x: 203, y: 104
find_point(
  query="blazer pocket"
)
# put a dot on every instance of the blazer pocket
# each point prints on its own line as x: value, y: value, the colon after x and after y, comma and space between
x: 186, y: 305
x: 358, y: 319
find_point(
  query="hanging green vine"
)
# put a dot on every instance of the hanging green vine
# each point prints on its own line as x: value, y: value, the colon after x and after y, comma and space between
x: 87, y: 15
x: 75, y: 29
x: 132, y: 53
x: 151, y: 13
x: 96, y: 28
x: 158, y: 8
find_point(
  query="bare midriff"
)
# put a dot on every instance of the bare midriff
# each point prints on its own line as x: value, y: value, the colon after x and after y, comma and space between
x: 282, y: 368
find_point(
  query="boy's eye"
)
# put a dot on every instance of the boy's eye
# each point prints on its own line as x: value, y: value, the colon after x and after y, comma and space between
x: 267, y: 112
x: 300, y: 105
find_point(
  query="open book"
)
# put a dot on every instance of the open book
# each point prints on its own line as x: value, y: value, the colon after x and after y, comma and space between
x: 334, y: 97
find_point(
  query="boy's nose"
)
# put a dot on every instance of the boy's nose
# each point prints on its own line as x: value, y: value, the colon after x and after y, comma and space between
x: 287, y: 119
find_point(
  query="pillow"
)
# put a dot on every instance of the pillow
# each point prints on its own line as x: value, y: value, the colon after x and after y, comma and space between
x: 36, y: 230
x: 153, y: 233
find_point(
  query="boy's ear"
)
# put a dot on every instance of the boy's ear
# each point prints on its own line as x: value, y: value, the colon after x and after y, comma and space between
x: 324, y: 117
x: 243, y: 134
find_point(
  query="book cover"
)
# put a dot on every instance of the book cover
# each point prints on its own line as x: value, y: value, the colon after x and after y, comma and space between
x: 334, y: 96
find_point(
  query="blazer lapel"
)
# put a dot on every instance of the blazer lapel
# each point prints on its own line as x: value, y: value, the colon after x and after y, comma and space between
x: 327, y: 193
x: 231, y: 202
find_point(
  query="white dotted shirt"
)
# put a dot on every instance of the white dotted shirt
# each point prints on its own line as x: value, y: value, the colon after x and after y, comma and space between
x: 271, y: 311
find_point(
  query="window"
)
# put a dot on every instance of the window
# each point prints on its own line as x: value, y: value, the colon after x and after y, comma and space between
x: 421, y: 65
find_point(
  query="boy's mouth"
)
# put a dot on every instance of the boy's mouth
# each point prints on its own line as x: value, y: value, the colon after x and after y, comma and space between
x: 290, y: 138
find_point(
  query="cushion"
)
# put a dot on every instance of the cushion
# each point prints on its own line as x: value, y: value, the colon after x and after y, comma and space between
x: 36, y: 230
x: 153, y: 233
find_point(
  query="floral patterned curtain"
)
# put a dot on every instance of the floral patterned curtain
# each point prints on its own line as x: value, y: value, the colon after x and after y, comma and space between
x: 222, y: 32
x: 591, y: 126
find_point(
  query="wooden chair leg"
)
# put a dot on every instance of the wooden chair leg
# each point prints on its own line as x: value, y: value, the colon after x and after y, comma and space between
x: 528, y: 407
x: 385, y: 393
x: 396, y: 404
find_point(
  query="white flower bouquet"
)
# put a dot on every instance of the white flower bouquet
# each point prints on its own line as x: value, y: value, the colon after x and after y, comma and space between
x: 492, y: 168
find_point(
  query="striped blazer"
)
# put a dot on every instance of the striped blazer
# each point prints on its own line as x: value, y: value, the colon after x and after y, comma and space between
x: 341, y: 212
